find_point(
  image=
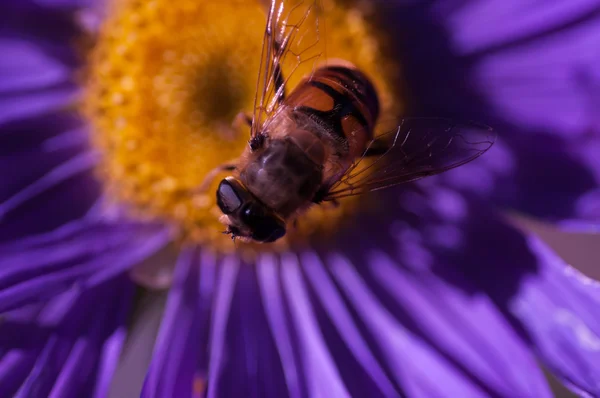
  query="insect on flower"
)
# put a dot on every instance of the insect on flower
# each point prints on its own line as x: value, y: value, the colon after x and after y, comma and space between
x: 318, y: 144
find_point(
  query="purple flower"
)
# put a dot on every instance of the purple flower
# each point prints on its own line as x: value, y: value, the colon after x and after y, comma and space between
x: 438, y: 294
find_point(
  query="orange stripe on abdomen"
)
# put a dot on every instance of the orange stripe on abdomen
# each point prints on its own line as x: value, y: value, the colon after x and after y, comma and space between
x: 343, y: 101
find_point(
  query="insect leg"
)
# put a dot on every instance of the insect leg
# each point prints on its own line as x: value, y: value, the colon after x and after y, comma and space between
x: 210, y: 177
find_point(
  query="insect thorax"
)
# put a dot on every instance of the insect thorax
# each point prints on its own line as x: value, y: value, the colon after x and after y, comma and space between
x: 282, y: 176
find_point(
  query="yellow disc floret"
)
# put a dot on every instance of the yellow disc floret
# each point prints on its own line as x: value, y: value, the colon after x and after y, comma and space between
x: 166, y: 80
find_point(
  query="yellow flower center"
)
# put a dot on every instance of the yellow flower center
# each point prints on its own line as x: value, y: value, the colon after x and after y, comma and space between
x: 167, y: 79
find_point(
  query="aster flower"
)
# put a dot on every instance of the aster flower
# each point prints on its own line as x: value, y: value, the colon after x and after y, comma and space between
x: 430, y: 293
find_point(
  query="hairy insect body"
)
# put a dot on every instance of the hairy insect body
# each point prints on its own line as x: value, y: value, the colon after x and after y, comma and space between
x: 282, y: 176
x: 343, y: 103
x: 308, y: 147
x: 322, y: 127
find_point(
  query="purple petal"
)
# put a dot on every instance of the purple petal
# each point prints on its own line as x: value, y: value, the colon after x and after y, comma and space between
x: 220, y: 321
x: 14, y: 367
x: 21, y: 169
x: 349, y: 343
x: 34, y: 134
x: 529, y: 66
x: 65, y: 3
x: 95, y: 253
x: 323, y: 378
x: 549, y: 307
x: 111, y: 353
x: 215, y: 330
x: 64, y: 361
x: 341, y: 317
x: 40, y: 206
x: 100, y: 348
x: 52, y: 30
x: 22, y: 106
x: 365, y: 349
x: 528, y: 69
x: 25, y: 67
x: 557, y: 308
x: 65, y: 232
x: 183, y: 334
x: 80, y: 164
x: 268, y: 274
x: 420, y: 370
x: 68, y: 139
x: 474, y: 336
x: 244, y: 360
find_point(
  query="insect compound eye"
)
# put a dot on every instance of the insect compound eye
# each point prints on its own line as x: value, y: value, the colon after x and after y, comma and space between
x: 265, y: 226
x: 228, y: 199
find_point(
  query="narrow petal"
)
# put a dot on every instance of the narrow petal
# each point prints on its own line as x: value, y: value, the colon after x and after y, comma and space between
x: 474, y: 337
x: 21, y: 169
x: 52, y: 30
x: 96, y: 253
x: 322, y: 375
x: 216, y: 329
x: 14, y: 368
x: 25, y: 67
x: 336, y: 309
x: 557, y: 308
x: 421, y: 370
x: 179, y: 342
x: 219, y: 321
x: 40, y: 206
x: 80, y: 164
x: 65, y: 3
x: 77, y: 137
x: 30, y: 135
x: 250, y: 363
x: 67, y: 232
x: 100, y: 349
x: 197, y: 350
x: 63, y: 360
x: 271, y: 294
x: 28, y: 105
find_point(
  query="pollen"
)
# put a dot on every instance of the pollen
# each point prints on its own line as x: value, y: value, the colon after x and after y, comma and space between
x: 164, y: 84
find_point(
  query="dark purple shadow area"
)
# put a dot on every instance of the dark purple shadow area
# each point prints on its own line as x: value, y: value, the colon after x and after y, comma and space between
x: 550, y: 178
x: 19, y: 335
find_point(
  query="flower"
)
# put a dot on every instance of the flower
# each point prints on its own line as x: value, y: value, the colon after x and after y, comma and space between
x: 437, y: 294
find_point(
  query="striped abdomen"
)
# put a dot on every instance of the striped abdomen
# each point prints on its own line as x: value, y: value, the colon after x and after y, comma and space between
x: 343, y: 102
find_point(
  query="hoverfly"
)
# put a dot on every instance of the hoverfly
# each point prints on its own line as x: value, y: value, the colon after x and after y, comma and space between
x: 308, y: 147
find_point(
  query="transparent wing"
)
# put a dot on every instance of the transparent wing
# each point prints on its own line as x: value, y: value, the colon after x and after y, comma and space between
x: 293, y: 42
x: 418, y: 148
